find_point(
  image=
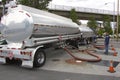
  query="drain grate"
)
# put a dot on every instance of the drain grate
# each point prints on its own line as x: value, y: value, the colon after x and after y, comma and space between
x: 105, y: 63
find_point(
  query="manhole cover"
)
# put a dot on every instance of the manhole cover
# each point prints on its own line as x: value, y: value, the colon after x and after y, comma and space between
x: 54, y: 60
x: 106, y: 63
x: 73, y: 61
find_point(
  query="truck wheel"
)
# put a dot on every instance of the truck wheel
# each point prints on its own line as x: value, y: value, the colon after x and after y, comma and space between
x: 39, y: 59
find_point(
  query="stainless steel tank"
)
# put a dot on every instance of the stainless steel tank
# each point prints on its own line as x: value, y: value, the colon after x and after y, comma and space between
x: 22, y: 22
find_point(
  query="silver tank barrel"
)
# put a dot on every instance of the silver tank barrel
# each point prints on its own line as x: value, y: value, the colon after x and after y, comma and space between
x: 18, y: 26
x: 23, y: 22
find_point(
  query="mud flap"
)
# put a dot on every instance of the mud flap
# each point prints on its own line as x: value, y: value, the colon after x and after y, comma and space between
x: 2, y: 61
x: 27, y: 64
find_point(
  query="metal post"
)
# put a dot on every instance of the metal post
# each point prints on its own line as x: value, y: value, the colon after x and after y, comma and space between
x: 113, y: 15
x: 113, y: 18
x: 117, y: 19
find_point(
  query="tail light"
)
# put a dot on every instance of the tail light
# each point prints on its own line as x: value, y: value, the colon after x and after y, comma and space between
x: 26, y: 53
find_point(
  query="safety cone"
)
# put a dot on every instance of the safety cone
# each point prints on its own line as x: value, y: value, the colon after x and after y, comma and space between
x: 111, y: 68
x: 115, y: 53
x: 113, y: 48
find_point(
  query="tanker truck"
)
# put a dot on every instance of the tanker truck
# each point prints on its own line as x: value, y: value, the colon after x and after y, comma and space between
x: 29, y: 31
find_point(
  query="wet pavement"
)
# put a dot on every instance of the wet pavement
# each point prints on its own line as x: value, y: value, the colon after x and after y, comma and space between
x: 106, y: 63
x: 56, y: 67
x: 57, y: 62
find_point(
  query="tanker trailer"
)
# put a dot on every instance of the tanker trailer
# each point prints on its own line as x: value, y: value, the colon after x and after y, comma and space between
x: 28, y: 31
x: 86, y: 34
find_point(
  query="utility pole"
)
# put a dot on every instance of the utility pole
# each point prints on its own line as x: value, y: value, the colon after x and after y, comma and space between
x: 117, y: 18
x: 113, y: 28
x: 113, y: 18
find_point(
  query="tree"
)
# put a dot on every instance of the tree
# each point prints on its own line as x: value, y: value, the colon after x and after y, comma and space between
x: 39, y: 4
x: 106, y: 24
x: 92, y: 24
x: 74, y: 17
x: 100, y: 31
x: 25, y: 2
x: 3, y: 3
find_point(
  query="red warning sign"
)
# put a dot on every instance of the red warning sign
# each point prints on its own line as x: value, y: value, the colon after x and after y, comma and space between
x: 10, y: 55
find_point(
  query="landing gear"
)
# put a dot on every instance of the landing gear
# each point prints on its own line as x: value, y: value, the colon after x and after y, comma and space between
x: 39, y: 58
x: 74, y: 43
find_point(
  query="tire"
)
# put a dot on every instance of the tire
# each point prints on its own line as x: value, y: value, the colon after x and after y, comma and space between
x: 39, y: 59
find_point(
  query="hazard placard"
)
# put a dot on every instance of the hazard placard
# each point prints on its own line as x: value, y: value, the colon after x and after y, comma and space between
x: 10, y: 55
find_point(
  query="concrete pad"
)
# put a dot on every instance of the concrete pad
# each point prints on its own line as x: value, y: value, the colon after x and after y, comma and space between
x: 84, y: 67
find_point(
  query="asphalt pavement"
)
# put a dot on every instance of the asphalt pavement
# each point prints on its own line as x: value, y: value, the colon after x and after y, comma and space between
x: 13, y: 72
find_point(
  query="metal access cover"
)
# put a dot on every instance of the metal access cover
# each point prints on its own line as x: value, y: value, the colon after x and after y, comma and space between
x: 73, y: 61
x: 54, y: 60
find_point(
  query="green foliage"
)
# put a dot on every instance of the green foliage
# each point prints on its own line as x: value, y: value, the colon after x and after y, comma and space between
x: 106, y: 24
x: 26, y: 2
x: 73, y: 16
x: 100, y: 31
x: 3, y: 1
x: 39, y: 4
x: 92, y: 24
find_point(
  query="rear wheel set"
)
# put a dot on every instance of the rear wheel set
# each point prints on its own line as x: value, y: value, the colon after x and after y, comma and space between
x: 39, y: 59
